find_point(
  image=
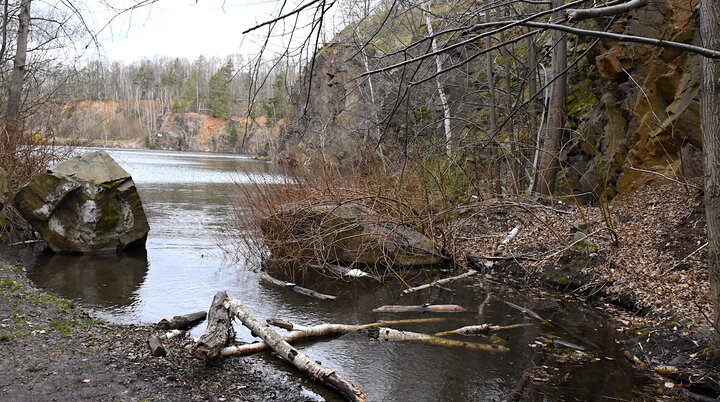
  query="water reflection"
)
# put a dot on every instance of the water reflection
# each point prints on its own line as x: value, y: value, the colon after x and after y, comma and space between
x: 188, y: 201
x: 101, y: 280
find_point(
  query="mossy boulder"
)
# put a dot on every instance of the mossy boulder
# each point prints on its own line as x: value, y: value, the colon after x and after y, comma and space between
x: 347, y: 233
x: 87, y: 204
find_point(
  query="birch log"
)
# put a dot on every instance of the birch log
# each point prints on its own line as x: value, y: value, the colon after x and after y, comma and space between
x: 439, y: 282
x: 299, y: 360
x: 299, y: 332
x: 389, y: 334
x: 295, y: 288
x: 430, y: 308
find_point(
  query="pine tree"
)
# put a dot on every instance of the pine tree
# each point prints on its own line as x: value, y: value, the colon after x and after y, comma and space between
x: 187, y: 101
x: 220, y: 101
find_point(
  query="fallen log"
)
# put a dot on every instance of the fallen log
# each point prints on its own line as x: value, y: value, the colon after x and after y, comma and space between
x: 299, y: 332
x: 219, y: 330
x: 185, y: 321
x: 480, y: 329
x: 389, y: 334
x: 300, y: 360
x: 295, y: 288
x: 433, y: 308
x: 156, y: 347
x: 439, y: 282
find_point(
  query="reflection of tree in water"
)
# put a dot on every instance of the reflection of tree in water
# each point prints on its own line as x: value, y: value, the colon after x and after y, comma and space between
x: 101, y: 280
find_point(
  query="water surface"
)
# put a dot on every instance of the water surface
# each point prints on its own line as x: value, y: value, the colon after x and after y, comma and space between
x: 189, y: 197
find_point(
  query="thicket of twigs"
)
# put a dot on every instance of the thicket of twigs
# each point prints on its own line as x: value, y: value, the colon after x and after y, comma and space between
x: 22, y: 157
x: 298, y: 224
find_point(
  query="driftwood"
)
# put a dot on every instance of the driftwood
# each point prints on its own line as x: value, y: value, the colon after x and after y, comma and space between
x: 433, y: 308
x: 172, y: 334
x: 219, y: 330
x: 186, y: 321
x: 299, y: 332
x: 295, y: 288
x: 480, y: 329
x: 156, y: 347
x: 439, y: 282
x: 529, y: 312
x: 300, y: 360
x: 389, y: 334
x: 506, y: 241
x: 343, y: 271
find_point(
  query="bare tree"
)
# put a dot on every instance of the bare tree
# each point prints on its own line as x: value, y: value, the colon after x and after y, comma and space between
x: 13, y: 119
x: 710, y: 128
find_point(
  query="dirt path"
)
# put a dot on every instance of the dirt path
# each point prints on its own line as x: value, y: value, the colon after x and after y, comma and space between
x: 51, y: 350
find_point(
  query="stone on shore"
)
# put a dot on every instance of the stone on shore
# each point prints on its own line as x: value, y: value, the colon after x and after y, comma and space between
x: 87, y: 204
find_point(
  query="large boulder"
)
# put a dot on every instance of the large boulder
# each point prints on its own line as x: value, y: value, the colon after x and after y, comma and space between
x: 84, y: 205
x: 3, y: 188
x: 347, y: 233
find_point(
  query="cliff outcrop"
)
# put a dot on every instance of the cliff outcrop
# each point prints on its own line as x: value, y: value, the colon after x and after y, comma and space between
x: 643, y: 114
x: 633, y: 110
x: 199, y: 132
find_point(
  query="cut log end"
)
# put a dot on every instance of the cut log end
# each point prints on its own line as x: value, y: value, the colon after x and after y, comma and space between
x: 156, y: 347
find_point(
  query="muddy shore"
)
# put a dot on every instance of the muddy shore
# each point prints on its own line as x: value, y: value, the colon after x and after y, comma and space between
x: 51, y: 350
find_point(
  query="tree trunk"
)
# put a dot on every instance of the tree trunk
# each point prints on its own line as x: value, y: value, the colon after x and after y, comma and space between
x: 496, y: 164
x: 300, y: 360
x: 14, y: 123
x: 440, y: 89
x: 710, y: 129
x: 549, y: 160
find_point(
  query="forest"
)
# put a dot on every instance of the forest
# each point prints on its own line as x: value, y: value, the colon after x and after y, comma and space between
x: 529, y: 189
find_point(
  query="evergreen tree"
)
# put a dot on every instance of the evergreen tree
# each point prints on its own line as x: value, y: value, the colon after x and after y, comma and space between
x: 220, y: 100
x: 275, y: 106
x: 187, y: 101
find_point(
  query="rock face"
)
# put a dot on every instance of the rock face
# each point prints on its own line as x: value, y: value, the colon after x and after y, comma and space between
x: 3, y: 188
x: 84, y: 205
x: 642, y: 106
x: 199, y: 132
x: 347, y: 233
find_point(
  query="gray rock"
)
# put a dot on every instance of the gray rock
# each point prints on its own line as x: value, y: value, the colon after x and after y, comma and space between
x: 348, y: 233
x: 84, y: 205
x: 3, y: 188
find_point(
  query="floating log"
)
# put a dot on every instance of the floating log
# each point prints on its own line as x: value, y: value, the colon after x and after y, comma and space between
x: 300, y: 360
x: 219, y: 330
x: 156, y: 347
x: 186, y: 321
x: 439, y: 282
x: 299, y: 332
x: 295, y: 288
x: 480, y: 329
x: 389, y: 334
x: 432, y: 308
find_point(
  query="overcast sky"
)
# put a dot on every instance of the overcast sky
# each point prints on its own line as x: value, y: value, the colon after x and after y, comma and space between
x: 184, y: 28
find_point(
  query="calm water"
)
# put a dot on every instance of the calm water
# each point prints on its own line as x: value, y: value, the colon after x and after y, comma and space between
x: 188, y: 199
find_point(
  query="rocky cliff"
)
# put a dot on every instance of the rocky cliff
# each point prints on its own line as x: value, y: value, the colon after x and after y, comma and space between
x: 199, y: 132
x: 643, y: 110
x: 633, y: 112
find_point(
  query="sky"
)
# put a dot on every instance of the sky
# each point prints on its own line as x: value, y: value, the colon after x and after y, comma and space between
x: 183, y: 28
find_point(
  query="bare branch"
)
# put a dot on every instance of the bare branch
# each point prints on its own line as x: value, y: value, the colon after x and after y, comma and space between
x: 583, y: 14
